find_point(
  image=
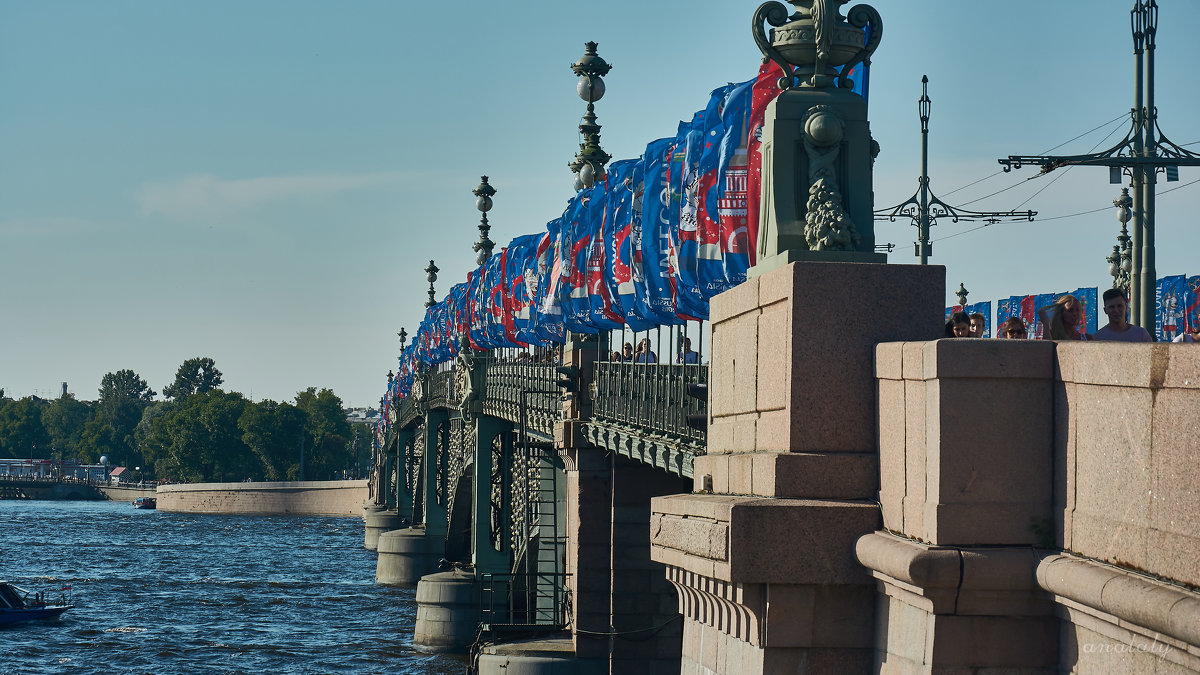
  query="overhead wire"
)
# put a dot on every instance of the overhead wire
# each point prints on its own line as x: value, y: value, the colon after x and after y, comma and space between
x: 1070, y: 215
x: 1043, y: 188
x: 997, y: 173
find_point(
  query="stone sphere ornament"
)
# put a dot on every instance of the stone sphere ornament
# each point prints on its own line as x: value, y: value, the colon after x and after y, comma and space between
x: 824, y: 128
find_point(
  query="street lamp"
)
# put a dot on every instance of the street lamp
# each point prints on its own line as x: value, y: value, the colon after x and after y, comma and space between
x: 483, y: 201
x: 431, y: 274
x: 1120, y: 261
x: 589, y: 162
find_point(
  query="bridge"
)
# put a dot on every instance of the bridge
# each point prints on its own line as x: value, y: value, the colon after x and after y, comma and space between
x: 817, y: 497
x: 32, y: 487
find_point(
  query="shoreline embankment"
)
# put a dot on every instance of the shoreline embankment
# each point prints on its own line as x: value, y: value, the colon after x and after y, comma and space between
x: 315, y: 498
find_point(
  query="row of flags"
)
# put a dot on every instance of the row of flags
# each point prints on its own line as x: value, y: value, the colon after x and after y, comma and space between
x: 1177, y: 311
x: 647, y: 246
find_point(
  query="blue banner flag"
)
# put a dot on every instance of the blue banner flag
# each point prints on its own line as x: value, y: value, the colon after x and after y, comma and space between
x: 1040, y: 301
x: 574, y: 247
x: 657, y: 249
x: 1088, y: 298
x: 547, y: 316
x: 626, y: 205
x: 1192, y: 313
x: 1004, y: 311
x: 1171, y: 300
x: 685, y: 191
x: 604, y: 314
x: 521, y: 275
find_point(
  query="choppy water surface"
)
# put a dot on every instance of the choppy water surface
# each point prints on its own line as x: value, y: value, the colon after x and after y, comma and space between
x: 160, y: 592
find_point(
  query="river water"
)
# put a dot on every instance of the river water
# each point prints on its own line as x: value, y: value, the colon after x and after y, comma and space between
x: 160, y: 592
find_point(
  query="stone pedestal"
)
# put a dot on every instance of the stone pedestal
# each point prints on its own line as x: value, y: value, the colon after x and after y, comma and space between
x: 404, y: 557
x: 966, y: 438
x: 376, y: 524
x: 765, y: 566
x: 448, y: 612
x: 811, y: 134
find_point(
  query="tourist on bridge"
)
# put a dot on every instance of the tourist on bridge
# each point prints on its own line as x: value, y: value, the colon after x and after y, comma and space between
x: 644, y: 353
x: 959, y: 325
x: 1119, y: 328
x: 1062, y: 319
x: 686, y: 355
x: 1013, y: 329
x: 978, y: 325
x: 627, y: 352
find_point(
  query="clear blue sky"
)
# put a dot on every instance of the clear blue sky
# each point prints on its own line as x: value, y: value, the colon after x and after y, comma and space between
x: 262, y: 182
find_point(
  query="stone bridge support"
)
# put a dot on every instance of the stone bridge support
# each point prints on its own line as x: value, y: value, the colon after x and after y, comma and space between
x: 762, y: 550
x: 624, y: 612
x: 407, y: 554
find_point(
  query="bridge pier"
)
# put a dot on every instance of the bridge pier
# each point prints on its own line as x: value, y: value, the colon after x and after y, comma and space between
x: 624, y: 610
x: 450, y: 604
x: 406, y: 555
x: 762, y: 552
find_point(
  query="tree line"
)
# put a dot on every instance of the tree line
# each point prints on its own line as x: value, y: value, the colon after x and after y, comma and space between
x: 197, y: 433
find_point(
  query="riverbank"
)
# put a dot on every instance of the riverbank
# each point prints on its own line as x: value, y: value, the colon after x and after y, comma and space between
x: 323, y: 498
x: 126, y: 493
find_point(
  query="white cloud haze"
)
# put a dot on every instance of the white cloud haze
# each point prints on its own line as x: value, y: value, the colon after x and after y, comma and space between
x: 202, y: 195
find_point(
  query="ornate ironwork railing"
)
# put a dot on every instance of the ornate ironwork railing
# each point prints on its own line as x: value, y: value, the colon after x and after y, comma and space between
x: 408, y: 412
x: 513, y: 386
x: 642, y: 410
x: 444, y: 389
x: 652, y: 397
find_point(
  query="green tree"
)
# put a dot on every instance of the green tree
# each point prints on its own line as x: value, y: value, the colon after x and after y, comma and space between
x: 123, y: 397
x: 150, y: 438
x: 64, y: 419
x: 195, y: 376
x: 124, y: 385
x: 273, y: 431
x: 203, y: 441
x: 329, y: 432
x: 21, y: 431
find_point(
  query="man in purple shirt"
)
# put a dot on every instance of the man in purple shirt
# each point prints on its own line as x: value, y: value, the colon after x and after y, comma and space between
x: 1119, y: 329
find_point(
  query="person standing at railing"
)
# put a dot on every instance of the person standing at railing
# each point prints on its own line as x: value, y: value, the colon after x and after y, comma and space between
x: 627, y: 352
x: 686, y: 355
x: 644, y: 353
x: 1119, y: 328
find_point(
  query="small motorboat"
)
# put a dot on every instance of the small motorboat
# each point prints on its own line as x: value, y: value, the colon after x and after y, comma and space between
x: 16, y: 604
x: 145, y: 503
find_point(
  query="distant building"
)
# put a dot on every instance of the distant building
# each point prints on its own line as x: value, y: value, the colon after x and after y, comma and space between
x: 362, y: 415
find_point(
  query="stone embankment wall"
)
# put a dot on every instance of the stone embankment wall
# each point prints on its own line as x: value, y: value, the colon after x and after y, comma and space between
x: 126, y: 493
x: 327, y: 498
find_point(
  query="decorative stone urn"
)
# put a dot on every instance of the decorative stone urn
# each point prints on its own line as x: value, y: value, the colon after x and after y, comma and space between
x: 816, y: 41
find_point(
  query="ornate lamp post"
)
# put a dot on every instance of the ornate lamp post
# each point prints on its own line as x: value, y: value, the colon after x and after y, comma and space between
x: 924, y: 207
x: 589, y: 162
x: 403, y: 335
x: 483, y: 201
x: 1142, y: 155
x: 431, y: 273
x: 1120, y: 261
x: 962, y: 295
